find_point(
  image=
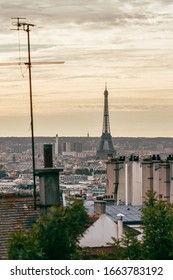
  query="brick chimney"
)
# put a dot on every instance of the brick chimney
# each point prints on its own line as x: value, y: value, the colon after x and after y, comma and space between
x: 100, y: 206
x: 48, y: 181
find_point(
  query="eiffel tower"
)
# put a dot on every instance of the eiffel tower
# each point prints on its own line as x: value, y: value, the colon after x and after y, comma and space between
x: 105, y: 147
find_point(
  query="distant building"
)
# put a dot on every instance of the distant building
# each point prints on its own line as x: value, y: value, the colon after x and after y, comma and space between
x: 160, y: 148
x: 71, y: 147
x: 56, y: 146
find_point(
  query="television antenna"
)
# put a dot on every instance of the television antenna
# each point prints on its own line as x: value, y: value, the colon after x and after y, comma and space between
x: 27, y: 27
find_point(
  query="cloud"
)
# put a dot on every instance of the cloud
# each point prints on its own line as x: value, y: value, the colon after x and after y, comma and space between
x: 166, y: 2
x: 94, y: 13
x: 73, y: 21
x: 127, y: 44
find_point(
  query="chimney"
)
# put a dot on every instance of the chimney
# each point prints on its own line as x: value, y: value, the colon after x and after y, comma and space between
x: 48, y: 160
x: 48, y: 182
x: 120, y: 225
x: 100, y: 207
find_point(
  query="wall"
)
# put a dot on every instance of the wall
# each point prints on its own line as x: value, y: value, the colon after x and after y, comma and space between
x: 128, y: 181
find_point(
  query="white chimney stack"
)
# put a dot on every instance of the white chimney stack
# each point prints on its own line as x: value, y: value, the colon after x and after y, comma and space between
x: 120, y: 225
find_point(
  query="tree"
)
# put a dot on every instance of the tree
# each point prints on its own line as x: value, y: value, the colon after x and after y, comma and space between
x: 84, y: 171
x: 55, y: 236
x: 23, y: 246
x: 3, y: 173
x: 126, y: 248
x: 132, y: 246
x: 157, y: 217
x: 157, y: 241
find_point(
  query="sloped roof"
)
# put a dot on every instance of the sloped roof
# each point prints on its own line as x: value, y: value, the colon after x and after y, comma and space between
x: 18, y: 212
x: 15, y: 213
x: 99, y: 233
x: 132, y: 214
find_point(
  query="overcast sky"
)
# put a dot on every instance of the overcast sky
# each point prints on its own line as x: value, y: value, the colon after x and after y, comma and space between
x: 126, y: 43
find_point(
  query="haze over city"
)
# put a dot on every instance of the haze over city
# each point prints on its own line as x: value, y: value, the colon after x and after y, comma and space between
x: 127, y: 44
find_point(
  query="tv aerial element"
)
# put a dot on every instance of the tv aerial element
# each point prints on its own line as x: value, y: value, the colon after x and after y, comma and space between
x: 26, y: 27
x: 22, y: 25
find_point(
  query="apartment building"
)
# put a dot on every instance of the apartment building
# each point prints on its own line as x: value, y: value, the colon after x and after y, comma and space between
x: 128, y: 180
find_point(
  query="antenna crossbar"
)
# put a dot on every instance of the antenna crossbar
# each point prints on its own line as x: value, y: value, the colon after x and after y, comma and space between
x: 19, y: 24
x: 33, y: 63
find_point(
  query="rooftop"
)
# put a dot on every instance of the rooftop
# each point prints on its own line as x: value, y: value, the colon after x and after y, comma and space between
x: 18, y: 213
x: 15, y: 214
x: 132, y: 214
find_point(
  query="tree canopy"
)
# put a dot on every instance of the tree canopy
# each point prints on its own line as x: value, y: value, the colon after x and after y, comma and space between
x: 54, y: 236
x: 157, y: 236
x: 157, y: 217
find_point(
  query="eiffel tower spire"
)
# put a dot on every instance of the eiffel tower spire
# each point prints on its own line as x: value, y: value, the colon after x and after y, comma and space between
x: 106, y: 125
x: 105, y: 146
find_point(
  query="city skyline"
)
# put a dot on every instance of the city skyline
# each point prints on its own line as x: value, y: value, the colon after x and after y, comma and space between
x: 126, y: 44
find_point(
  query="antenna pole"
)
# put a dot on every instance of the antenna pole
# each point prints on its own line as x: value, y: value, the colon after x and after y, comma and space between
x: 26, y: 27
x: 31, y: 113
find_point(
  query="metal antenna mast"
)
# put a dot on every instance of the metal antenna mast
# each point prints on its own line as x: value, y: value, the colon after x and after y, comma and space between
x: 26, y: 27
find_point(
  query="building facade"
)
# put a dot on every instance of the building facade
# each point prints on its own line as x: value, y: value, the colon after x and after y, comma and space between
x: 157, y: 175
x: 128, y: 180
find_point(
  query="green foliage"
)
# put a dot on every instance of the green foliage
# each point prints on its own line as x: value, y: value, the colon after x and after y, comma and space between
x: 23, y: 246
x: 157, y: 241
x: 157, y: 216
x: 88, y: 172
x: 84, y: 171
x: 54, y: 237
x: 133, y: 247
x: 118, y: 250
x: 3, y: 174
x: 126, y: 248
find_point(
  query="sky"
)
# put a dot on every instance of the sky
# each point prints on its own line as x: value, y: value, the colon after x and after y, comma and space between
x: 127, y: 44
